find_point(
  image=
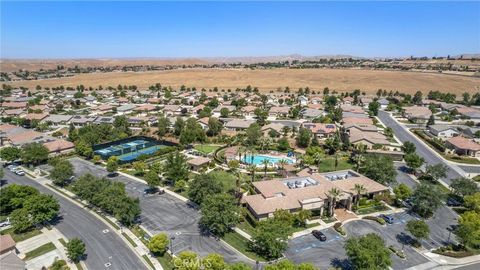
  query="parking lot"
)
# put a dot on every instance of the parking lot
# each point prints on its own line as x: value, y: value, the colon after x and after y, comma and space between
x: 165, y: 213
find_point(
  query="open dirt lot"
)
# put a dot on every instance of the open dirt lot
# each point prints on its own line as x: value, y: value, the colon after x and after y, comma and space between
x: 267, y: 80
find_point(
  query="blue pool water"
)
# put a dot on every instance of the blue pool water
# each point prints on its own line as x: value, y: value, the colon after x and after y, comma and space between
x: 258, y: 159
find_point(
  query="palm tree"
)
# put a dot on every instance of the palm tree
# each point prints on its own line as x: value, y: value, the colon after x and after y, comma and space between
x: 282, y: 162
x: 359, y: 189
x: 318, y: 157
x: 252, y: 169
x: 265, y: 163
x: 333, y: 194
x: 233, y: 166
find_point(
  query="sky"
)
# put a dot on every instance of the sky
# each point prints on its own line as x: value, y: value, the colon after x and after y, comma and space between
x: 229, y: 29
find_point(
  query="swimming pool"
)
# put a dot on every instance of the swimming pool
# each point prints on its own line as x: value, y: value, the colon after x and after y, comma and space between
x: 258, y: 159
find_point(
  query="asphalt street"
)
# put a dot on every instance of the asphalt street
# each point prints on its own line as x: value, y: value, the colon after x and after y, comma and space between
x: 455, y: 171
x: 165, y: 213
x: 102, y: 247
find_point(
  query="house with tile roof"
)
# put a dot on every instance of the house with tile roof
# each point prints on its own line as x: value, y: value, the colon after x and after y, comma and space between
x: 463, y: 146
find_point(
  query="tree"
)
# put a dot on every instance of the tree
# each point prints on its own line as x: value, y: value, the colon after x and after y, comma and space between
x: 368, y: 252
x: 253, y: 133
x: 178, y: 126
x: 282, y: 144
x: 41, y: 208
x: 373, y: 107
x: 414, y: 161
x: 426, y: 199
x: 13, y: 196
x: 435, y: 172
x: 121, y: 124
x: 224, y: 112
x: 186, y: 260
x: 158, y: 243
x: 402, y: 192
x: 463, y: 187
x: 431, y: 121
x: 359, y: 190
x: 152, y: 178
x: 176, y: 167
x: 10, y: 153
x: 2, y: 174
x: 418, y: 228
x: 214, y: 126
x: 76, y: 249
x: 163, y: 126
x: 417, y: 98
x: 214, y: 261
x: 34, y: 153
x: 333, y: 195
x: 468, y: 231
x: 239, y: 266
x: 112, y: 164
x: 408, y: 148
x: 270, y: 238
x: 204, y: 185
x: 193, y: 132
x: 472, y: 202
x: 288, y: 265
x: 21, y: 221
x: 379, y: 168
x: 219, y: 213
x: 61, y: 172
x: 304, y: 137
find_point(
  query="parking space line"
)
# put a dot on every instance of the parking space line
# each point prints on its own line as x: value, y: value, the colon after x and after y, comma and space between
x: 317, y: 244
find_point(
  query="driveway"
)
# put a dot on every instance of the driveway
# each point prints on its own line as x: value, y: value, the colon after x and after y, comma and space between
x: 424, y: 151
x: 165, y: 213
x: 77, y: 222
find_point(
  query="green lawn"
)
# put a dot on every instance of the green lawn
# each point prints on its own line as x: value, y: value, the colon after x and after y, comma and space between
x: 206, y: 148
x: 246, y: 227
x: 63, y: 242
x: 371, y: 209
x: 19, y: 237
x: 130, y: 240
x: 328, y: 164
x: 299, y: 229
x: 145, y: 257
x: 240, y: 243
x: 39, y: 251
x: 477, y: 178
x: 166, y: 262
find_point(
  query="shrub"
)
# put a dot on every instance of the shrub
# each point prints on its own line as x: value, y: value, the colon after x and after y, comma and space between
x: 338, y: 227
x: 377, y: 219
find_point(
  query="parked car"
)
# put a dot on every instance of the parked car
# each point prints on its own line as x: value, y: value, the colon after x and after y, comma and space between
x: 5, y: 223
x: 453, y: 202
x: 319, y: 235
x: 387, y: 218
x: 408, y: 203
x: 20, y: 172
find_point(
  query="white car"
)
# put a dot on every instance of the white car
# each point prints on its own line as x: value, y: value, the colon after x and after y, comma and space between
x: 5, y: 223
x: 20, y: 172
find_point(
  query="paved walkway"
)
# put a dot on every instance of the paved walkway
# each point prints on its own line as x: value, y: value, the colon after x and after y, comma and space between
x: 343, y: 214
x: 47, y: 259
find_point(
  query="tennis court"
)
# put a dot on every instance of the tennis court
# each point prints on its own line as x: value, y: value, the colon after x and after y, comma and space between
x: 129, y: 151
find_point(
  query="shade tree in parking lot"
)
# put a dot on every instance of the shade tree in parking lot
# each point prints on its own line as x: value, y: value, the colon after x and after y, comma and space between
x: 402, y: 192
x: 468, y: 231
x: 463, y: 187
x: 379, y: 168
x: 426, y: 199
x: 112, y: 164
x: 270, y: 238
x: 34, y: 153
x: 368, y: 252
x: 61, y: 172
x: 109, y: 196
x: 158, y: 244
x: 288, y: 265
x: 204, y: 185
x: 10, y: 153
x: 152, y: 178
x: 76, y: 249
x: 418, y: 228
x: 472, y: 202
x: 219, y: 213
x: 176, y: 167
x: 414, y: 161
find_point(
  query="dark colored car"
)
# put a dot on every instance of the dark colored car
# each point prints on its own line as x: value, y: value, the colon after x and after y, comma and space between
x: 387, y: 218
x: 453, y: 202
x: 319, y: 235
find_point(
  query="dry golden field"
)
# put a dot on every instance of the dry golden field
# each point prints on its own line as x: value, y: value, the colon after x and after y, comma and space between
x: 266, y: 80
